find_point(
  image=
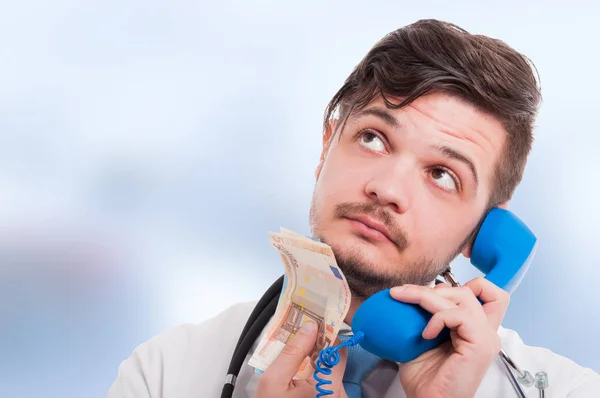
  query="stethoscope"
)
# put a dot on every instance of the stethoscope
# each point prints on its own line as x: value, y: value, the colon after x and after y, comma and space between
x: 265, y: 309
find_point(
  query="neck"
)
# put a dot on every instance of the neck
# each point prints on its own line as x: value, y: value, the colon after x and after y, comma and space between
x: 354, y: 304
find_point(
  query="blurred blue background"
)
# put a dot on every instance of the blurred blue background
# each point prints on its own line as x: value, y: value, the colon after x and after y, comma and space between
x: 146, y: 148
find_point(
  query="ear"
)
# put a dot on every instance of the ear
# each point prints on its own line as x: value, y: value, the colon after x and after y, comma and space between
x: 467, y: 250
x: 504, y: 205
x: 327, y: 138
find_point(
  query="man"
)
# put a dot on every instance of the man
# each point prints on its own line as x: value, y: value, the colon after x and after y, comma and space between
x: 430, y: 131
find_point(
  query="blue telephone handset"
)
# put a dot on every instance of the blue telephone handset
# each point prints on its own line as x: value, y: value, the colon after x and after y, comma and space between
x: 503, y: 250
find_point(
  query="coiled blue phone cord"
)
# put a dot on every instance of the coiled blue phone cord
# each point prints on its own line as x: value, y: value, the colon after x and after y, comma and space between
x: 328, y: 358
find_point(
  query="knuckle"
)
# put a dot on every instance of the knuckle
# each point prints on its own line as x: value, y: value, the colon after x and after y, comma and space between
x: 477, y: 281
x: 443, y: 315
x: 480, y: 283
x: 291, y: 350
x: 440, y: 316
x: 464, y: 291
x: 410, y: 288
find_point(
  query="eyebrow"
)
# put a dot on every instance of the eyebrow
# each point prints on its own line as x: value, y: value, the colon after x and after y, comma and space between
x: 446, y: 151
x: 382, y: 114
x: 454, y: 154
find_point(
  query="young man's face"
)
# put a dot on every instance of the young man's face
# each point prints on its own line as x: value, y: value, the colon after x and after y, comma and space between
x: 401, y: 189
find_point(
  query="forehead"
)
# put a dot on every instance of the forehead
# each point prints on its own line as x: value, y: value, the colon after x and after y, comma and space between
x: 442, y: 109
x: 440, y: 119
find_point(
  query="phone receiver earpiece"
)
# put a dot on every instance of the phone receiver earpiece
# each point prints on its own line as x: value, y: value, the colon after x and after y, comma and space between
x: 503, y: 250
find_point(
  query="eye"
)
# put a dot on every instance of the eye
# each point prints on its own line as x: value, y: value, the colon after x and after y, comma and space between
x: 444, y: 179
x: 372, y: 141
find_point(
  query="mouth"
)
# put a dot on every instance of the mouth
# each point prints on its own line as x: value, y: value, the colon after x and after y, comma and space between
x: 370, y: 228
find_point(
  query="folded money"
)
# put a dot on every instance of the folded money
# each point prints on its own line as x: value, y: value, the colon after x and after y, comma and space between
x: 316, y: 290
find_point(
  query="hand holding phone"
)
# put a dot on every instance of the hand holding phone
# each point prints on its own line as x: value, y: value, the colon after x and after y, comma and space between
x: 456, y: 367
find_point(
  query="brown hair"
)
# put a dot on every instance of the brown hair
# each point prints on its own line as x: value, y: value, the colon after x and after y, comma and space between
x: 434, y: 56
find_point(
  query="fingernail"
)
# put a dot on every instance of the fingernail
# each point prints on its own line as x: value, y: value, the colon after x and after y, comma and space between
x: 308, y: 327
x: 398, y: 289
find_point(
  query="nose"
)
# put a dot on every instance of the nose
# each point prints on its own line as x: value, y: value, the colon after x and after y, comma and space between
x: 390, y: 187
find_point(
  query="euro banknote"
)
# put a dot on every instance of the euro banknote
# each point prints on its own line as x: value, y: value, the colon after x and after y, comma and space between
x: 316, y: 290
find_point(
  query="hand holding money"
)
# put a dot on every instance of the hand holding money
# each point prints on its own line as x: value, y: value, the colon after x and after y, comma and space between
x: 278, y: 380
x: 316, y: 291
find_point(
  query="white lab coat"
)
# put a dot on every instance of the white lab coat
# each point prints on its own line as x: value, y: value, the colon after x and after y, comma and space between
x: 191, y: 361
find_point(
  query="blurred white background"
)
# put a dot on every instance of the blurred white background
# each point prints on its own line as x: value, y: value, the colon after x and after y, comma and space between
x: 147, y: 147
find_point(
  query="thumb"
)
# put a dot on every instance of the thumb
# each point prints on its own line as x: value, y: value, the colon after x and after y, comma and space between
x: 284, y: 367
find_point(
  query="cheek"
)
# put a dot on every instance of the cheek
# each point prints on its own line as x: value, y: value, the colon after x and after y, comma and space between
x: 442, y: 231
x: 336, y: 185
x: 340, y: 177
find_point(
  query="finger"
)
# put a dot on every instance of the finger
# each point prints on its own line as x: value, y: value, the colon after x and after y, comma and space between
x: 441, y: 285
x: 462, y: 296
x: 287, y: 363
x: 314, y: 362
x: 301, y: 389
x: 426, y: 297
x: 459, y: 319
x: 495, y: 300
